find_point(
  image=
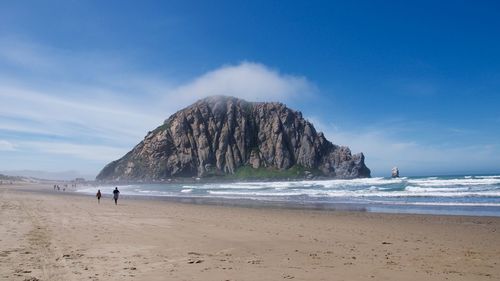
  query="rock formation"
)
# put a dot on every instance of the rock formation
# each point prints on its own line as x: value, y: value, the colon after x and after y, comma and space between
x: 218, y: 135
x: 395, y: 172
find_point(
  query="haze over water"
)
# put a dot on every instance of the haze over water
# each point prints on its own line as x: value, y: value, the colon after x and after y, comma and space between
x: 464, y: 194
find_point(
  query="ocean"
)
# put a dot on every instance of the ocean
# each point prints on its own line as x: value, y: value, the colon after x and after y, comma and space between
x: 452, y: 195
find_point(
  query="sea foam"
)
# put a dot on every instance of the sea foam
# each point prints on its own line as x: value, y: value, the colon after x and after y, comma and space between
x: 459, y: 191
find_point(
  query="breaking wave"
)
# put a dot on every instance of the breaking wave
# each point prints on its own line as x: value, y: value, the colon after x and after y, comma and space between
x: 465, y: 190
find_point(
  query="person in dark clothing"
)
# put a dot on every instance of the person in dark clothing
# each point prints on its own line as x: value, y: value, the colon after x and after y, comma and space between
x: 98, y: 195
x: 116, y: 193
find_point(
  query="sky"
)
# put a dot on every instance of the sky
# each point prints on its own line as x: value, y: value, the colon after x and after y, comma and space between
x: 410, y: 84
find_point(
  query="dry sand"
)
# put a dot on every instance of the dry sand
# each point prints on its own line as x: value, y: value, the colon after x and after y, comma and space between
x: 61, y: 236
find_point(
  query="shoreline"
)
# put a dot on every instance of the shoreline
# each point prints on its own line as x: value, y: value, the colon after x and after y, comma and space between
x: 377, y: 208
x: 457, y: 195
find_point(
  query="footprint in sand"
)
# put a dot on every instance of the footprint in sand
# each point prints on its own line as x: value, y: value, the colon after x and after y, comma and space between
x: 194, y: 258
x: 131, y: 268
x: 4, y: 253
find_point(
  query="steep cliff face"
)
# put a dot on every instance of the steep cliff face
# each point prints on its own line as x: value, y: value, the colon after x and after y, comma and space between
x: 218, y: 135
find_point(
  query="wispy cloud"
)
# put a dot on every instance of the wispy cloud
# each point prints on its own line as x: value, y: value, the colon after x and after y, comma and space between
x: 25, y: 55
x: 95, y: 108
x: 6, y: 146
x: 85, y: 152
x: 32, y: 112
x: 91, y: 107
x: 384, y: 147
x: 413, y: 87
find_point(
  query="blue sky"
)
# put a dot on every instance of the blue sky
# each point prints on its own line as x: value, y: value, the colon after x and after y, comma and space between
x: 415, y: 85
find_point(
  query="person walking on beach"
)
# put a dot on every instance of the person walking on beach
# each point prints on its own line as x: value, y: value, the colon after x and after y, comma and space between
x: 116, y: 192
x: 98, y: 195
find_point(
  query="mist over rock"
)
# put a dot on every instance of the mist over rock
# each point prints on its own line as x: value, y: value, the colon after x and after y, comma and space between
x: 218, y: 135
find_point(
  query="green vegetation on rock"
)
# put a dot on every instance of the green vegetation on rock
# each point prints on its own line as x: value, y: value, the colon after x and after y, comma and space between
x: 160, y: 128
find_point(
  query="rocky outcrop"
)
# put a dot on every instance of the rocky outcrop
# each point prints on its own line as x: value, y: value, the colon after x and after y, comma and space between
x: 217, y: 135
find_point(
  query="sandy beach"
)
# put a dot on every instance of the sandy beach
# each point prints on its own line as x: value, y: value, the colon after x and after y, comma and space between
x: 47, y: 235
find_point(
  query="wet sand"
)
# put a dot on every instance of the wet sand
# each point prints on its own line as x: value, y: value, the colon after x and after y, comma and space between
x: 47, y: 235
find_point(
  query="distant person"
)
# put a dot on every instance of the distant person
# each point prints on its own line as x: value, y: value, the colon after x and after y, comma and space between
x: 116, y: 193
x: 98, y: 195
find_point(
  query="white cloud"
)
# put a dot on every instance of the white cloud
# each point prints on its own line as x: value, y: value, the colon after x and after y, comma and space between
x: 41, y: 113
x: 86, y: 152
x: 247, y: 80
x: 383, y: 149
x: 49, y: 108
x: 116, y: 116
x: 7, y: 146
